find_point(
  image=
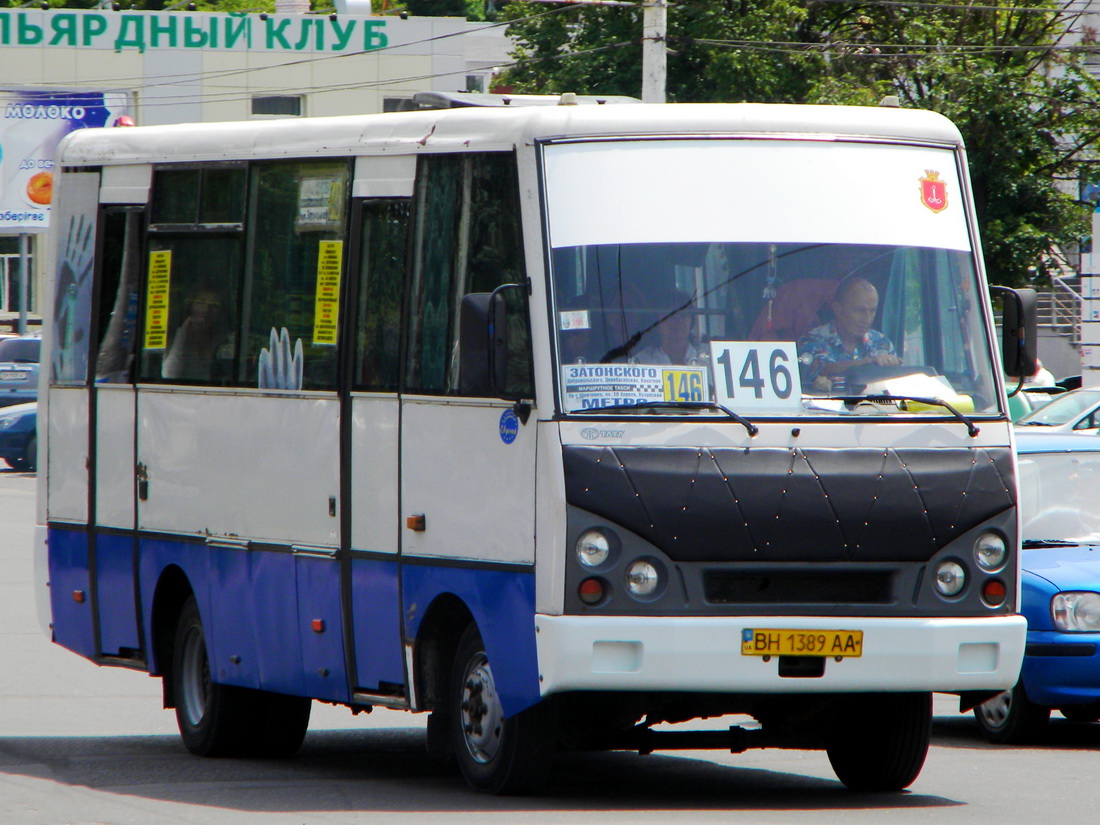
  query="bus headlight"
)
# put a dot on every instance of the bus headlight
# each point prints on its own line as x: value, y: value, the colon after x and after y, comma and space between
x: 593, y: 548
x: 642, y: 579
x: 1076, y: 611
x: 990, y: 552
x: 950, y: 578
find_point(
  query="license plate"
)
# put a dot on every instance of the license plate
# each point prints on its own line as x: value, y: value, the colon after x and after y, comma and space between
x: 13, y: 376
x: 762, y: 641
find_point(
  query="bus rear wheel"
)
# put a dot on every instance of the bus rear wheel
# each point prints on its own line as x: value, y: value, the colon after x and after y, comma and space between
x: 495, y: 754
x: 879, y: 742
x: 223, y: 720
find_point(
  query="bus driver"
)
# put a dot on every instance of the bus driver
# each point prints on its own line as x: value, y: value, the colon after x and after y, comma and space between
x: 827, y: 352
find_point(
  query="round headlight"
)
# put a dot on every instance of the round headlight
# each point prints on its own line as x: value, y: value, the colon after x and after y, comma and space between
x: 1076, y: 611
x: 950, y: 578
x: 642, y: 579
x: 593, y: 548
x: 990, y: 552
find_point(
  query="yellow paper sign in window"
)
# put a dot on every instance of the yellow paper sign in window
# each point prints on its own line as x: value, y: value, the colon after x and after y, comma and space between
x: 326, y: 311
x: 156, y: 304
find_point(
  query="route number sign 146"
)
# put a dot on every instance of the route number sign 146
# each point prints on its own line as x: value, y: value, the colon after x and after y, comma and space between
x: 756, y: 375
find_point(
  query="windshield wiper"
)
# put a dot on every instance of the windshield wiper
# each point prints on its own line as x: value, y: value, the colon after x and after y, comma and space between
x: 1032, y: 543
x: 971, y: 427
x: 678, y: 405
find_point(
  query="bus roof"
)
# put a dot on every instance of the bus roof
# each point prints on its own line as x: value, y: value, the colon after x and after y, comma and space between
x: 488, y: 129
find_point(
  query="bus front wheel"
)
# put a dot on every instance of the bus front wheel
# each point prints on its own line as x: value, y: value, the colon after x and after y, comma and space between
x: 223, y: 720
x: 879, y: 741
x: 495, y: 754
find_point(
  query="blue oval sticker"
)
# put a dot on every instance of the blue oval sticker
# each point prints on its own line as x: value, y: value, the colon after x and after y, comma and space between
x: 509, y: 426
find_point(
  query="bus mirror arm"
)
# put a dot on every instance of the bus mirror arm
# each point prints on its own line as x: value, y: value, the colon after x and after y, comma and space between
x: 1019, y: 331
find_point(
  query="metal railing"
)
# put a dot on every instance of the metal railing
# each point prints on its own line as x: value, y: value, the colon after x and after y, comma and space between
x: 1060, y: 307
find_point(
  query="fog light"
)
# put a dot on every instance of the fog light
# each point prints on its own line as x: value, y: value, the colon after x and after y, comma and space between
x: 994, y: 592
x: 990, y: 552
x: 950, y: 578
x: 591, y: 591
x: 642, y: 579
x: 593, y: 548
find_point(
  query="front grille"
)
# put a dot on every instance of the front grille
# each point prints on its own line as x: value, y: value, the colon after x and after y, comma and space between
x: 798, y: 587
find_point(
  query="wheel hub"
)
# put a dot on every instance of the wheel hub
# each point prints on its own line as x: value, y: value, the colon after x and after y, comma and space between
x: 482, y: 714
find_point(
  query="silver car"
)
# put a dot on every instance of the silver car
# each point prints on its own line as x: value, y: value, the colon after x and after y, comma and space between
x: 19, y: 369
x: 1073, y: 411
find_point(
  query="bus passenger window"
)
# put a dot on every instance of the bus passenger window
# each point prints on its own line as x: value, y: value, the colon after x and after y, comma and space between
x: 385, y: 229
x: 467, y: 240
x: 118, y: 297
x: 296, y: 233
x: 191, y: 273
x: 190, y: 308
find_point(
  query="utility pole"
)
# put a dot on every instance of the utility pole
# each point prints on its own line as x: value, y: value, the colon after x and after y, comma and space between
x: 654, y: 53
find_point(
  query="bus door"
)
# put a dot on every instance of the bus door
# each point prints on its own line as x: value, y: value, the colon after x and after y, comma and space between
x: 113, y: 423
x: 371, y: 426
x: 467, y: 462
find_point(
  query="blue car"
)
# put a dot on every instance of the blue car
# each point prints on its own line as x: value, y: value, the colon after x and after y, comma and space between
x: 1060, y: 528
x: 19, y: 436
x: 19, y: 369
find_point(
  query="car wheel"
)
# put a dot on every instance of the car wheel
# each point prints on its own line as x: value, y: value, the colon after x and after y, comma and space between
x: 223, y: 720
x: 495, y: 754
x: 879, y: 742
x: 30, y: 454
x: 1081, y: 713
x: 1011, y: 718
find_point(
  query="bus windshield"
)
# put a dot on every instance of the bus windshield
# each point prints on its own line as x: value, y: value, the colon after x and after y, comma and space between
x: 773, y: 277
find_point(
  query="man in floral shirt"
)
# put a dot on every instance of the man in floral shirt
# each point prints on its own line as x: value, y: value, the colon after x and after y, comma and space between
x: 826, y: 353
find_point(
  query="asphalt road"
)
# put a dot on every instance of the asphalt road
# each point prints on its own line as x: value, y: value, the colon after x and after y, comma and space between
x: 81, y: 745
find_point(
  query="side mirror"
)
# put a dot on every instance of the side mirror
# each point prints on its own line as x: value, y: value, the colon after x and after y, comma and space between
x: 494, y: 344
x: 473, y: 345
x: 1019, y: 331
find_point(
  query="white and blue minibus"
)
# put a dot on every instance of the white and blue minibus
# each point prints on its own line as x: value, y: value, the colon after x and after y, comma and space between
x: 557, y: 422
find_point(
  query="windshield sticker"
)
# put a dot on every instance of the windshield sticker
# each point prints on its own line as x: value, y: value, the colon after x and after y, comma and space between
x: 933, y: 191
x: 573, y: 319
x: 592, y: 386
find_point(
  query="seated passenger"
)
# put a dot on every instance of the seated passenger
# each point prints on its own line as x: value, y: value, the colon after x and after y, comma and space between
x: 826, y: 353
x: 674, y: 328
x: 191, y: 355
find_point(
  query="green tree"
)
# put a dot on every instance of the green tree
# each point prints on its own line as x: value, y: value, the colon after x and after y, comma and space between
x: 1004, y: 72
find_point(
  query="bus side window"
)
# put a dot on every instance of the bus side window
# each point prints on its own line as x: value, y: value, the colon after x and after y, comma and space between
x: 192, y: 269
x: 296, y: 235
x: 467, y: 239
x: 385, y: 228
x: 118, y: 297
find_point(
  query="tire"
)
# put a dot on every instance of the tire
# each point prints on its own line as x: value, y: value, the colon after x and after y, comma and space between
x: 223, y: 720
x: 1011, y: 718
x: 880, y: 741
x: 30, y: 454
x: 495, y: 754
x: 1081, y: 713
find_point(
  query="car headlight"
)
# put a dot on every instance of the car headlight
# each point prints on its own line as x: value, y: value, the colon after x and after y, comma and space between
x: 990, y: 552
x: 1076, y: 611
